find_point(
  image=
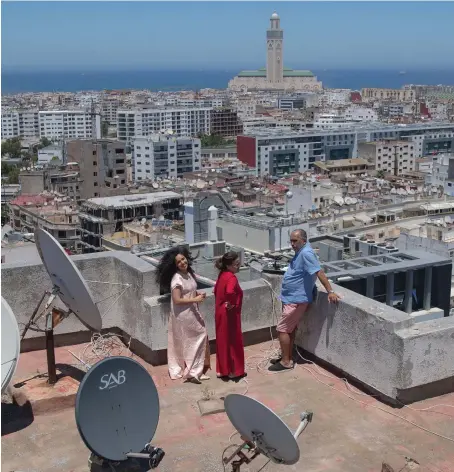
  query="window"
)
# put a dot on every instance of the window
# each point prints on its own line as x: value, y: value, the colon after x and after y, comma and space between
x: 95, y: 163
x: 95, y: 184
x: 96, y: 194
x: 95, y: 174
x: 94, y: 152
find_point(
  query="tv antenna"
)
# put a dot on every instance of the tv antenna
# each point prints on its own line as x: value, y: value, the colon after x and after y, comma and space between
x: 262, y: 432
x: 69, y: 285
x: 117, y: 412
x: 10, y: 344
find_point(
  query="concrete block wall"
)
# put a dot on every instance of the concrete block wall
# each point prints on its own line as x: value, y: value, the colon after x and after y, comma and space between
x: 379, y: 346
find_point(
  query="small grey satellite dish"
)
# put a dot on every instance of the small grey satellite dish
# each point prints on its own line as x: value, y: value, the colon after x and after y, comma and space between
x: 117, y: 410
x: 263, y: 431
x: 10, y: 344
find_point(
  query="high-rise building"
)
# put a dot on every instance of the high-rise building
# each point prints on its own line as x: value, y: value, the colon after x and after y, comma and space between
x: 75, y: 124
x: 22, y: 123
x: 149, y: 121
x: 162, y: 156
x: 102, y: 166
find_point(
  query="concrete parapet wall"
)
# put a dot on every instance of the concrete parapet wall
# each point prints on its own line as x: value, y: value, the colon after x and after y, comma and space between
x: 379, y: 346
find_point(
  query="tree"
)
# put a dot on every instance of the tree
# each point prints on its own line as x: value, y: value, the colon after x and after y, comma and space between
x: 13, y: 175
x: 12, y: 147
x: 45, y: 142
x: 381, y: 174
x: 213, y: 140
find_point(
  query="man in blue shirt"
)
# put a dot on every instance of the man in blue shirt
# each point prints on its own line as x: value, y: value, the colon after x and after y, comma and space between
x: 297, y: 292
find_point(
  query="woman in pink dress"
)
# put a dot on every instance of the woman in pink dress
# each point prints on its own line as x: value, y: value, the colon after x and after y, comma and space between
x: 188, y: 352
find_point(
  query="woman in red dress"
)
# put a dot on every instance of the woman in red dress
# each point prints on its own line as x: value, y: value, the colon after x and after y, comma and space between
x: 229, y: 337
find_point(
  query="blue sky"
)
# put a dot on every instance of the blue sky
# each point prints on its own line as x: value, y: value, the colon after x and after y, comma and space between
x: 224, y: 35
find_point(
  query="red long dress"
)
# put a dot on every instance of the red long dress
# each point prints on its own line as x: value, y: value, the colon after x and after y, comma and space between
x: 229, y: 337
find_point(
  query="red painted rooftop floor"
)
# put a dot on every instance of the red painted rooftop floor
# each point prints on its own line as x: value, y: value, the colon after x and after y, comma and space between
x: 345, y: 435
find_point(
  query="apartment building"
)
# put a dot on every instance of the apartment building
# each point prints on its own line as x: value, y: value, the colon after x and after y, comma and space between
x: 442, y: 174
x: 72, y: 124
x: 23, y: 123
x: 225, y: 123
x: 429, y: 138
x: 396, y: 95
x: 101, y: 217
x: 392, y: 157
x: 63, y: 179
x: 165, y: 156
x: 109, y: 109
x: 102, y: 166
x: 278, y: 152
x: 149, y: 121
x: 53, y: 213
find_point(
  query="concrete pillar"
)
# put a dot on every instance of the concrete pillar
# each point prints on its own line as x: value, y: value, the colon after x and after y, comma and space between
x: 189, y: 222
x: 370, y: 286
x: 390, y: 288
x: 427, y: 288
x: 212, y: 223
x: 408, y: 291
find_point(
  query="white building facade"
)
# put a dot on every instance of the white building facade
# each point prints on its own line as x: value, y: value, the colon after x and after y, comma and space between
x: 150, y: 121
x: 23, y: 123
x: 165, y: 157
x: 72, y: 124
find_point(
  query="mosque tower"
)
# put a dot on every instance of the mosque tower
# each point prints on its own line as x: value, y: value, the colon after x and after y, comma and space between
x: 274, y: 58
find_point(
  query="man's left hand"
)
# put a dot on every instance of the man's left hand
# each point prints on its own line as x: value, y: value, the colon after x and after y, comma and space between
x: 333, y: 297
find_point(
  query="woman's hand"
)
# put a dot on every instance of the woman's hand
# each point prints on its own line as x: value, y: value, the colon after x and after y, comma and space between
x: 228, y: 305
x: 200, y: 298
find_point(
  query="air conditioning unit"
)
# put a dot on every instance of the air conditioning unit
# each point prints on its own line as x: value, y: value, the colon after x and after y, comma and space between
x: 215, y: 249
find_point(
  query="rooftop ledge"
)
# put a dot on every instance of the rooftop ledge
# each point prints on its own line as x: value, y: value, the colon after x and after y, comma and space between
x: 382, y: 348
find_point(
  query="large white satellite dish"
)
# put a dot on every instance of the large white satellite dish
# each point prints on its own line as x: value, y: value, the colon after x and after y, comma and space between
x: 67, y: 284
x: 262, y: 431
x: 10, y: 344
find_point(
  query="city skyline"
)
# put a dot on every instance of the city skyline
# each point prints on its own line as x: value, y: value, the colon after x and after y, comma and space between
x: 189, y: 35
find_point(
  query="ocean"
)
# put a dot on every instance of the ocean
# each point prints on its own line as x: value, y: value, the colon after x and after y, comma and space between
x: 17, y: 82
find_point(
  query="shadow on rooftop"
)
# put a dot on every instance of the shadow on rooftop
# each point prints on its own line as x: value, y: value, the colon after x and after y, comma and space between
x: 16, y: 417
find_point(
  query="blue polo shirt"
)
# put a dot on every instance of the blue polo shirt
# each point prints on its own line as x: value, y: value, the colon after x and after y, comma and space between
x: 299, y: 279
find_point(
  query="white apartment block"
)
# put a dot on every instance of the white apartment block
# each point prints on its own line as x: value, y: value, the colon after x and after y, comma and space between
x: 360, y: 113
x: 75, y: 124
x: 396, y: 95
x: 165, y: 157
x: 392, y: 157
x: 19, y: 123
x: 150, y: 121
x: 335, y: 97
x: 442, y: 173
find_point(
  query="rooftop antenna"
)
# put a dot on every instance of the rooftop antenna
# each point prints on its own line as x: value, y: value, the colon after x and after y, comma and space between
x: 69, y: 285
x: 262, y: 432
x: 117, y: 412
x: 10, y: 344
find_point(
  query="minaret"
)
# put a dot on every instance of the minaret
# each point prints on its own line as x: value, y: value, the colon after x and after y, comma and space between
x: 274, y: 44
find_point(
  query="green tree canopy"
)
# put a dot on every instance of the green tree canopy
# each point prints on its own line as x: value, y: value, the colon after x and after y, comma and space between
x: 12, y: 147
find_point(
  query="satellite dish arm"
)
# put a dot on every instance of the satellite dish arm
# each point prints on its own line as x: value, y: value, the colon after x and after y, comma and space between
x: 306, y: 418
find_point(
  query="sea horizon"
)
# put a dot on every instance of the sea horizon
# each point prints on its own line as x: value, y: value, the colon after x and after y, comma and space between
x: 14, y: 82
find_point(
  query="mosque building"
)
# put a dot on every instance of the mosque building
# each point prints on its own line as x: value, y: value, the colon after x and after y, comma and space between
x: 275, y: 76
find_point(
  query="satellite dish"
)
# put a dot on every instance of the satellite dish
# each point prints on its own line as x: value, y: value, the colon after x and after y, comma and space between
x: 211, y: 182
x: 67, y: 280
x: 263, y: 430
x: 143, y: 221
x: 117, y: 409
x: 10, y: 344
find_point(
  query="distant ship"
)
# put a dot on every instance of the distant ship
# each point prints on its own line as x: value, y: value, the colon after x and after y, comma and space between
x: 402, y: 72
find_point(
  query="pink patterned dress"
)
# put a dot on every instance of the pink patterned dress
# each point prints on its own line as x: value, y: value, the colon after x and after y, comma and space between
x: 187, y: 349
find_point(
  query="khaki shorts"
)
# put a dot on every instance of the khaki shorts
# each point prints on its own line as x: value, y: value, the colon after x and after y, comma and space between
x: 291, y: 316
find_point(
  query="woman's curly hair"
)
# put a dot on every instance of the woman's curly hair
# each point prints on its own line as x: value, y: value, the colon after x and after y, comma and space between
x: 167, y: 267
